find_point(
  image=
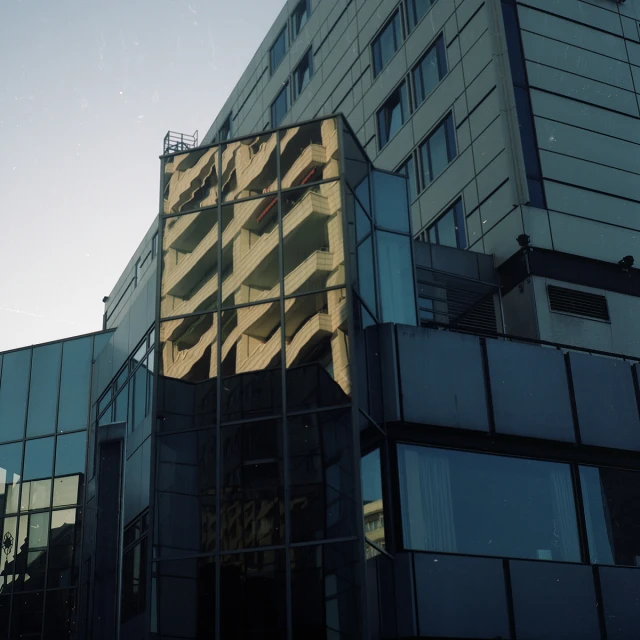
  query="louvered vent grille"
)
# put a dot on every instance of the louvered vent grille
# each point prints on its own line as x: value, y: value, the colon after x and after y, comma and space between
x: 578, y: 303
x: 481, y: 318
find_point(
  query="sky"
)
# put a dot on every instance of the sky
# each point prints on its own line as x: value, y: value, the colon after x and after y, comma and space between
x: 88, y: 89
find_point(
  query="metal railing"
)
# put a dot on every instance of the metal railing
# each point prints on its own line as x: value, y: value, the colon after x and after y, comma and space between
x: 175, y: 142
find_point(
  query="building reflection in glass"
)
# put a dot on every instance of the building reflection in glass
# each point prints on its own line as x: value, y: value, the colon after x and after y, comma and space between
x: 253, y: 327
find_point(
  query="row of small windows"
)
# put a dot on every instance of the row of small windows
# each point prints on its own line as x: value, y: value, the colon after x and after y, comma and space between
x: 424, y: 77
x: 390, y: 37
x: 289, y: 33
x: 300, y: 78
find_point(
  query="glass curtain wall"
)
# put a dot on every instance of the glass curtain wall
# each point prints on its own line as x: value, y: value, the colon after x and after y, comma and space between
x: 255, y: 512
x: 44, y: 413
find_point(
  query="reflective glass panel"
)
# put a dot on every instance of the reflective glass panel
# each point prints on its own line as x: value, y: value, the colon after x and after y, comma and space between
x: 278, y: 49
x: 188, y: 348
x: 302, y: 74
x: 280, y: 106
x: 35, y: 495
x: 313, y: 238
x: 317, y: 350
x: 324, y: 592
x: 372, y: 500
x: 64, y: 548
x: 186, y: 490
x: 26, y: 615
x: 43, y: 396
x: 429, y: 71
x: 189, y: 264
x: 31, y: 559
x: 7, y: 558
x: 10, y: 472
x: 322, y: 480
x: 139, y: 395
x: 67, y: 490
x: 14, y: 385
x: 249, y: 167
x: 250, y: 251
x: 71, y: 453
x: 182, y: 405
x: 251, y: 359
x: 396, y: 278
x: 184, y: 598
x: 390, y: 202
x: 75, y: 384
x: 461, y: 502
x: 309, y: 153
x: 38, y: 458
x: 299, y: 17
x: 253, y: 595
x: 610, y: 497
x: 60, y: 613
x: 191, y: 180
x: 366, y: 274
x: 252, y: 485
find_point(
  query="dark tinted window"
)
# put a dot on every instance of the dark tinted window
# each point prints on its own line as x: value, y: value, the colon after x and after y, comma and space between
x: 610, y: 499
x: 386, y: 43
x: 408, y: 169
x: 279, y: 49
x: 75, y: 384
x: 302, y: 74
x: 438, y: 150
x: 390, y: 202
x: 280, y: 106
x: 392, y: 115
x: 71, y: 453
x: 299, y: 17
x: 14, y: 385
x: 621, y: 604
x: 429, y: 71
x: 372, y: 501
x: 38, y: 458
x: 489, y: 505
x: 416, y: 10
x: 43, y: 396
x: 449, y: 229
x: 224, y: 133
x: 396, y: 278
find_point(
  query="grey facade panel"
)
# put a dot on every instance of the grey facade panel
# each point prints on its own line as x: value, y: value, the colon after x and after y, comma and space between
x: 442, y: 379
x: 530, y: 391
x: 605, y: 401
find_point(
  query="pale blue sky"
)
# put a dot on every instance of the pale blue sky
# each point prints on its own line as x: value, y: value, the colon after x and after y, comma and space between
x: 88, y: 88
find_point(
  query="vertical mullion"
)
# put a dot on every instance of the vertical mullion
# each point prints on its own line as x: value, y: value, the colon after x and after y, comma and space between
x: 218, y: 470
x: 285, y: 434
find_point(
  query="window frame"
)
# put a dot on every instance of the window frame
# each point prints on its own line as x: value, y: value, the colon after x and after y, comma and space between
x: 284, y: 91
x: 459, y: 225
x: 396, y: 20
x: 295, y: 90
x: 405, y: 112
x: 285, y: 31
x: 403, y: 170
x: 412, y: 15
x: 292, y: 18
x: 228, y: 121
x: 438, y: 45
x: 451, y: 145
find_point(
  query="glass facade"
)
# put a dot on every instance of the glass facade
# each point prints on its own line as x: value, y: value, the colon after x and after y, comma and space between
x: 255, y: 461
x: 44, y: 414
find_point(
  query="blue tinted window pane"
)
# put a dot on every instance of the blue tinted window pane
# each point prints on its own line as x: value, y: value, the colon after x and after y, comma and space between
x: 461, y: 235
x: 392, y: 115
x: 462, y: 502
x: 395, y: 274
x: 512, y: 30
x: 139, y: 395
x: 386, y: 44
x: 43, y: 396
x: 372, y: 502
x: 100, y: 341
x: 75, y: 382
x: 447, y: 230
x: 363, y: 224
x: 362, y: 193
x: 366, y: 279
x: 71, y: 453
x: 38, y: 458
x: 408, y: 169
x: 536, y: 194
x: 390, y: 202
x: 610, y: 498
x: 280, y: 106
x: 438, y: 150
x: 416, y: 10
x: 14, y: 384
x: 279, y: 49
